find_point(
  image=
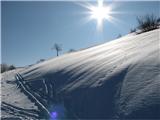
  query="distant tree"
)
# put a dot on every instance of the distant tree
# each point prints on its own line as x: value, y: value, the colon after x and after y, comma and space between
x: 12, y: 67
x: 5, y: 67
x: 71, y: 50
x: 132, y: 30
x: 119, y: 36
x: 147, y: 23
x: 41, y: 60
x: 57, y: 47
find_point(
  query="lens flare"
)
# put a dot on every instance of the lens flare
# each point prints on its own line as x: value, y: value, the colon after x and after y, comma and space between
x: 58, y: 112
x: 54, y: 115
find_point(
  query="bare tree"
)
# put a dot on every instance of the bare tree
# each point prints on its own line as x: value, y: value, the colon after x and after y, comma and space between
x: 57, y: 47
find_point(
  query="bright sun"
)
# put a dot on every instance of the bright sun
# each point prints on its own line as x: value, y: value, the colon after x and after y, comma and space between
x: 100, y: 12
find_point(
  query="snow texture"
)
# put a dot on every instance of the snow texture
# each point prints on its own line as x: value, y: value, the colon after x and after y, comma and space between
x: 13, y: 101
x: 117, y: 79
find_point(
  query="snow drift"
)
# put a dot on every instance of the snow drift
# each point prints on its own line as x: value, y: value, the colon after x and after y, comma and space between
x: 118, y: 79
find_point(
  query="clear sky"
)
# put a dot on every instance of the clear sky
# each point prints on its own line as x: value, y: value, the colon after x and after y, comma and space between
x: 29, y: 29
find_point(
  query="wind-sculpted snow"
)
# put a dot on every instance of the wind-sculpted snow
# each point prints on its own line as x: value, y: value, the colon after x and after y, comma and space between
x: 118, y: 79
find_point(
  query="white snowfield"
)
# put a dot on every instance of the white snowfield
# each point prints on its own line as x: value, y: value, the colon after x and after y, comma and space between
x: 118, y: 79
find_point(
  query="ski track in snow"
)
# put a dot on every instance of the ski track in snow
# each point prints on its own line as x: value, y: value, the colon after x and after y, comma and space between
x: 12, y: 96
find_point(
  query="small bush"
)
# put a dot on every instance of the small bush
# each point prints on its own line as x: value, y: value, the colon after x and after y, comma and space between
x: 5, y: 67
x: 41, y: 60
x: 119, y: 36
x: 147, y: 23
x: 71, y: 50
x: 12, y: 67
x: 132, y: 30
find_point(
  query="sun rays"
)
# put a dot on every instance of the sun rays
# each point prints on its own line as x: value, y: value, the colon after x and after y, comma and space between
x: 100, y: 12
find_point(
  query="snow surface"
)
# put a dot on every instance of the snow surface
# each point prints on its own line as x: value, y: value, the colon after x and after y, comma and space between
x: 12, y: 95
x: 117, y: 79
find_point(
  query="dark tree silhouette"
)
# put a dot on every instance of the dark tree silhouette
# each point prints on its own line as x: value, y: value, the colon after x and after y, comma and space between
x: 5, y: 67
x: 71, y: 50
x: 12, y: 67
x: 147, y: 23
x: 119, y: 36
x: 57, y: 47
x: 132, y: 30
x: 41, y: 60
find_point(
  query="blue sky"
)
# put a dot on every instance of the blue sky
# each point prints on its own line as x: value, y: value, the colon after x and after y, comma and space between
x: 29, y: 29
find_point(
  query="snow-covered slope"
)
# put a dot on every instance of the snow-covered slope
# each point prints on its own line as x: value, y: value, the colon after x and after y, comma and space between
x: 118, y: 79
x: 12, y: 99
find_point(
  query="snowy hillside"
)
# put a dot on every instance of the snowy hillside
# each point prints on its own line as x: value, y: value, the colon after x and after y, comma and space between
x: 13, y: 101
x: 118, y: 79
